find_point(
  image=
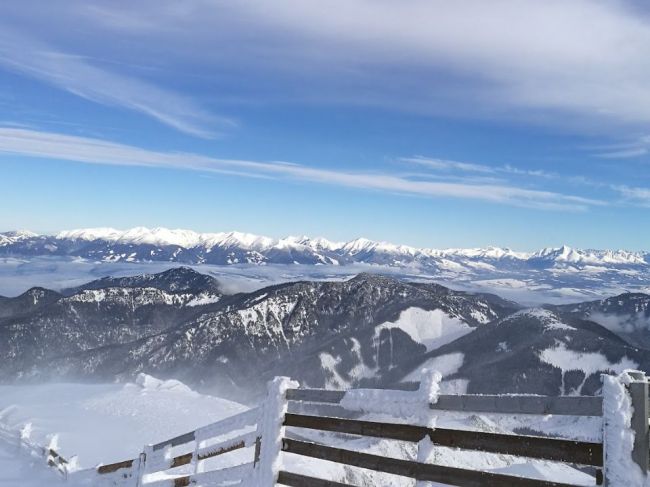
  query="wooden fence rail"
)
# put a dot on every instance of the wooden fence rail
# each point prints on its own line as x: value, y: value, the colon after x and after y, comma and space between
x: 506, y: 404
x: 411, y: 469
x: 543, y: 448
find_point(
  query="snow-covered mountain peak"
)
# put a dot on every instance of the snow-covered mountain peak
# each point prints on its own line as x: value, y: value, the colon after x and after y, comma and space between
x: 569, y: 255
x: 559, y: 253
x: 318, y: 243
x: 8, y: 238
x: 21, y: 234
x: 493, y: 253
x: 359, y: 245
x: 89, y: 234
x: 253, y: 240
x: 225, y: 248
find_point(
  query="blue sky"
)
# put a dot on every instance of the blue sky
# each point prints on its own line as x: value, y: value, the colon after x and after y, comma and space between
x: 440, y: 124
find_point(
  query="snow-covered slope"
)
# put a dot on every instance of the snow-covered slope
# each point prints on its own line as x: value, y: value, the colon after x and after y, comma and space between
x: 537, y: 351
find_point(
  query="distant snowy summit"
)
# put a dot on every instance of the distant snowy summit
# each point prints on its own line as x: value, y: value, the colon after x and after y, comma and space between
x: 188, y: 247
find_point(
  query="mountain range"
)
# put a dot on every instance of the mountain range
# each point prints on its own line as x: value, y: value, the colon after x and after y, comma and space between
x: 188, y: 247
x: 370, y: 330
x: 551, y: 275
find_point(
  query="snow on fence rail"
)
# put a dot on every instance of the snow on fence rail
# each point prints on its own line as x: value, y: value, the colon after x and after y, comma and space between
x: 621, y: 458
x: 210, y: 441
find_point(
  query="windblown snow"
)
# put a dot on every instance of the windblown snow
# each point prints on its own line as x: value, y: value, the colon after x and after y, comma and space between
x: 124, y: 417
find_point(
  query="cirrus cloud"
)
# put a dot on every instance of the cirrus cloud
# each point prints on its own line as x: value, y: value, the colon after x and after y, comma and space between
x: 48, y: 145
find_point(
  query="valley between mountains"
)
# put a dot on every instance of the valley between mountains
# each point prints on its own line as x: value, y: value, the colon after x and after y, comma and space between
x: 370, y: 330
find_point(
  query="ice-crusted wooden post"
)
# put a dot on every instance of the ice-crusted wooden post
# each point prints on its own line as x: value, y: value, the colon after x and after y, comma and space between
x: 139, y: 469
x: 428, y: 391
x: 271, y: 430
x: 152, y: 461
x: 625, y: 428
x: 638, y: 389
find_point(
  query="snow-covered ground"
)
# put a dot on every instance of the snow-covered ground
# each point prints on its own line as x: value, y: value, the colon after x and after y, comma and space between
x: 17, y: 470
x: 107, y: 423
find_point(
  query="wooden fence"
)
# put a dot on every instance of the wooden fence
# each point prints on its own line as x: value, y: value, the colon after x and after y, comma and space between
x: 278, y: 427
x: 533, y: 447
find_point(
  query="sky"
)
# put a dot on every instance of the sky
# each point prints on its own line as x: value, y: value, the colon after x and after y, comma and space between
x: 513, y: 123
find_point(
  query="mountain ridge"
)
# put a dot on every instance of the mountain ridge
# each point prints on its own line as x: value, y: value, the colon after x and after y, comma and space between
x: 371, y: 330
x: 186, y: 246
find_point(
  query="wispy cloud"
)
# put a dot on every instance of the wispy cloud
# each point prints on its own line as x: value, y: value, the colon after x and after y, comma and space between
x: 634, y: 195
x: 79, y: 76
x: 637, y: 147
x: 95, y: 151
x: 447, y: 165
x: 511, y: 58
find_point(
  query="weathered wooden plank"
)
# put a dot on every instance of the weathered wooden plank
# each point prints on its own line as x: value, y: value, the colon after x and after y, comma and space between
x: 223, y: 450
x: 561, y: 405
x: 321, y: 409
x: 182, y: 481
x: 506, y: 404
x: 178, y: 440
x: 315, y: 395
x: 297, y: 480
x: 114, y: 467
x: 526, y: 446
x: 216, y: 450
x: 410, y: 469
x: 243, y: 440
x: 181, y: 460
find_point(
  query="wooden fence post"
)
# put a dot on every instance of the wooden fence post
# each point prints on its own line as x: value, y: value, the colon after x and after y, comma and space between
x: 639, y: 390
x: 428, y: 392
x: 271, y: 431
x: 626, y: 440
x: 154, y: 461
x: 139, y: 473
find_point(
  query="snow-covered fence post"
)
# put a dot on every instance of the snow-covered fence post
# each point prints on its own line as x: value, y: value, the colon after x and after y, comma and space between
x: 638, y: 390
x: 429, y: 391
x: 271, y: 430
x: 625, y: 428
x: 153, y: 461
x: 139, y: 473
